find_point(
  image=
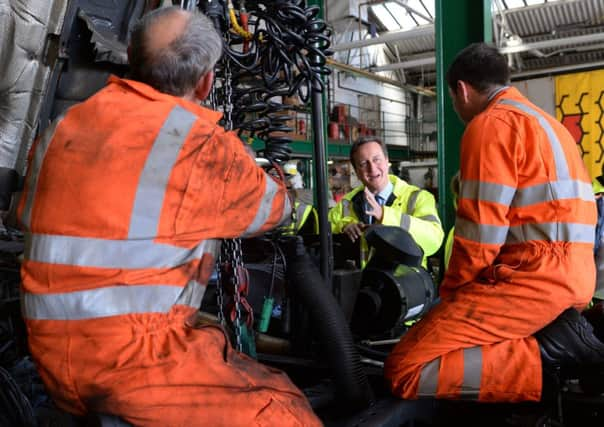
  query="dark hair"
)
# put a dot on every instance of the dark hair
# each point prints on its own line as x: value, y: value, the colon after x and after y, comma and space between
x: 176, y: 68
x: 365, y: 140
x: 480, y: 65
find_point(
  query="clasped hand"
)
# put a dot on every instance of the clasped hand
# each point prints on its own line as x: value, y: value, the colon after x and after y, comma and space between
x: 354, y: 231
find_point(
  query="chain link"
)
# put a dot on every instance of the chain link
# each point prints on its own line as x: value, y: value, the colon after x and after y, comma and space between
x: 237, y: 264
x: 220, y: 289
x: 228, y: 90
x: 231, y: 253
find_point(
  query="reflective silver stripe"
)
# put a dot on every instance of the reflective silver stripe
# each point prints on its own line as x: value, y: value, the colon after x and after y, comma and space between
x: 110, y: 301
x: 482, y: 233
x: 405, y: 222
x: 472, y: 372
x: 192, y: 294
x: 126, y: 254
x: 548, y: 232
x: 428, y: 379
x: 487, y: 191
x: 431, y: 218
x: 300, y: 211
x: 559, y: 158
x: 412, y: 200
x: 151, y: 189
x: 266, y: 204
x: 553, y: 232
x: 287, y: 210
x: 346, y: 204
x: 503, y: 194
x: 557, y: 190
x: 34, y: 170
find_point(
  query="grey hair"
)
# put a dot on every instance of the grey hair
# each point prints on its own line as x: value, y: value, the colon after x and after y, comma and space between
x: 176, y: 68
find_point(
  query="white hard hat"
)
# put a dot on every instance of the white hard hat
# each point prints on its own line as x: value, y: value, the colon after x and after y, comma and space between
x: 290, y: 168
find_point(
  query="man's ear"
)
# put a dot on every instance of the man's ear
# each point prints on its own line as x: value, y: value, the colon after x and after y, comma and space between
x: 463, y: 90
x: 204, y: 85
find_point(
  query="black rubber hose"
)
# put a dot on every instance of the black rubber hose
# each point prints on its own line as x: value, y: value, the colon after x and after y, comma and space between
x: 306, y: 284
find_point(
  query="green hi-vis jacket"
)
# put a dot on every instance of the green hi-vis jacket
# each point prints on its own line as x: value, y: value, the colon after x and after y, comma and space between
x: 408, y: 207
x: 305, y: 220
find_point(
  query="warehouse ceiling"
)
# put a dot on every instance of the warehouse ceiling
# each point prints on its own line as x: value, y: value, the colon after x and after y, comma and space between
x: 540, y: 37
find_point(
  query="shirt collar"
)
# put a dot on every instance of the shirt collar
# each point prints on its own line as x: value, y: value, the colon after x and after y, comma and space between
x: 386, y: 192
x: 497, y: 92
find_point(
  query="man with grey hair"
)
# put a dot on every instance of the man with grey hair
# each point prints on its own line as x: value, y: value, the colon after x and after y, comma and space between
x: 126, y: 199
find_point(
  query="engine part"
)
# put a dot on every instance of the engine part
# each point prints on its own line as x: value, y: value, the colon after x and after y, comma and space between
x: 387, y: 299
x: 394, y: 287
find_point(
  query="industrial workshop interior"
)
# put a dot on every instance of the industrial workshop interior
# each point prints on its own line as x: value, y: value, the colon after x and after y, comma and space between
x: 306, y: 303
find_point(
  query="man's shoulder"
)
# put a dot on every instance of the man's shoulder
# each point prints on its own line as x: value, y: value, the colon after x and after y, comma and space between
x: 402, y: 187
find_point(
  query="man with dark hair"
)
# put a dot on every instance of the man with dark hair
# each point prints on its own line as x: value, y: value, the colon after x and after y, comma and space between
x: 126, y: 200
x: 522, y: 259
x: 385, y: 199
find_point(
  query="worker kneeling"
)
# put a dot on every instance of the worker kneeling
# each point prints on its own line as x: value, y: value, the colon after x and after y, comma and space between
x: 522, y: 260
x: 122, y: 212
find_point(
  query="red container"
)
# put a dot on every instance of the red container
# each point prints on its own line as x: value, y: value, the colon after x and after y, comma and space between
x: 333, y: 131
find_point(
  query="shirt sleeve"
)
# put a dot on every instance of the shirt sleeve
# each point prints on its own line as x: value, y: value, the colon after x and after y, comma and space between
x: 341, y: 215
x: 233, y: 196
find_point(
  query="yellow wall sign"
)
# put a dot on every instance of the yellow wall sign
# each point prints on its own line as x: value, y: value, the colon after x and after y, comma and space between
x: 580, y: 107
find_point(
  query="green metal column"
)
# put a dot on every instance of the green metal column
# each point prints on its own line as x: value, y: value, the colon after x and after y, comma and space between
x: 458, y: 23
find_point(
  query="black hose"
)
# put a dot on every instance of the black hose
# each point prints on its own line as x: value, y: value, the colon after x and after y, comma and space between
x: 306, y: 284
x: 15, y: 408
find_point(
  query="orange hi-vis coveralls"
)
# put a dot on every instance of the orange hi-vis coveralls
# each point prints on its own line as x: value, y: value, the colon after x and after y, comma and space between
x: 522, y: 254
x: 124, y: 198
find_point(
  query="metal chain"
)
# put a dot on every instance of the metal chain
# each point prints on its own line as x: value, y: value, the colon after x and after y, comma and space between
x: 232, y: 248
x: 228, y: 90
x: 220, y: 289
x: 237, y: 264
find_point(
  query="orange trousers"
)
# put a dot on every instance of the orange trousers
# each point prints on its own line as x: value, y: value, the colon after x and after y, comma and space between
x: 497, y: 319
x: 155, y: 370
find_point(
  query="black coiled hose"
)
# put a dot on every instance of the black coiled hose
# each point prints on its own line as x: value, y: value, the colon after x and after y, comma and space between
x: 285, y: 55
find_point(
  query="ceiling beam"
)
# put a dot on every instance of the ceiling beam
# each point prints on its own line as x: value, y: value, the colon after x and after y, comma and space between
x: 524, y: 47
x: 364, y: 73
x: 388, y: 37
x: 546, y: 44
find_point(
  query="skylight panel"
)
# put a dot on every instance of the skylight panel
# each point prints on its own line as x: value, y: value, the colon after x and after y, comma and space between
x: 385, y: 17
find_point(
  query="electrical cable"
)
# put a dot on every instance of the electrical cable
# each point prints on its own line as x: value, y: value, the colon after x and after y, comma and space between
x: 280, y: 53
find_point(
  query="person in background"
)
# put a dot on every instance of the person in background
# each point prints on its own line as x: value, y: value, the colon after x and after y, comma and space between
x: 123, y: 217
x: 598, y: 189
x: 385, y: 199
x: 522, y: 261
x: 449, y: 241
x: 305, y: 217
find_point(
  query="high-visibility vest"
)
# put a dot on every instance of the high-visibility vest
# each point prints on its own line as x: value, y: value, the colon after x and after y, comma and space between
x: 409, y: 207
x: 124, y: 199
x: 302, y: 213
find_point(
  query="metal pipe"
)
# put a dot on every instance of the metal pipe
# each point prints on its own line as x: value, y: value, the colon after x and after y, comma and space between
x: 391, y: 36
x: 320, y: 169
x: 544, y: 44
x: 367, y: 74
x: 405, y: 64
x: 556, y: 70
